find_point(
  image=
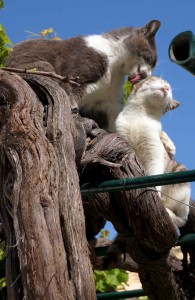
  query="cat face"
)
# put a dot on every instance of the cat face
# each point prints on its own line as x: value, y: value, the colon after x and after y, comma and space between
x: 155, y: 93
x: 142, y: 51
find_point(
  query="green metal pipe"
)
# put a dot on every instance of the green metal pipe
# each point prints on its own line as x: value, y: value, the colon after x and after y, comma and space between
x: 186, y: 240
x: 138, y: 182
x: 182, y: 51
x: 121, y: 295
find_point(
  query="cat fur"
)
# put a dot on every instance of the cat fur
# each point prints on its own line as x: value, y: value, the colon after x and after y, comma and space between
x: 100, y: 61
x: 140, y: 124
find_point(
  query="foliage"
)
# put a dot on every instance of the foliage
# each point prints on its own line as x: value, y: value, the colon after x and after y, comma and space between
x: 2, y: 253
x: 1, y: 4
x: 5, y: 44
x: 104, y: 234
x: 49, y: 33
x: 107, y: 281
x: 126, y: 91
x: 2, y: 257
x: 2, y: 283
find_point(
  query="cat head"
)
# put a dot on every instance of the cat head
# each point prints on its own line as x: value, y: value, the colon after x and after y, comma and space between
x: 155, y: 94
x: 142, y: 51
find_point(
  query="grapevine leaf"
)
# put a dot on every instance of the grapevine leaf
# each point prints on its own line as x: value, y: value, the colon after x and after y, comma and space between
x: 4, y: 43
x: 2, y: 282
x: 3, y: 36
x: 126, y: 91
x: 107, y: 281
x: 1, y: 4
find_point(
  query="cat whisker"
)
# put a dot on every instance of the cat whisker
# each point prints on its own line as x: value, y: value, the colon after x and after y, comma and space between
x: 175, y: 89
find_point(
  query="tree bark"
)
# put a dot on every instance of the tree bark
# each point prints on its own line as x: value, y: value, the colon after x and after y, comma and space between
x: 40, y: 192
x: 137, y: 215
x: 44, y: 146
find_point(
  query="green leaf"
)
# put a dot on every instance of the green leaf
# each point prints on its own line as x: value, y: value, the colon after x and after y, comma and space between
x: 112, y: 279
x: 107, y: 281
x: 126, y: 91
x: 3, y: 36
x: 2, y: 282
x: 4, y: 53
x: 122, y: 276
x: 1, y: 4
x: 5, y: 44
x: 2, y: 254
x: 104, y: 234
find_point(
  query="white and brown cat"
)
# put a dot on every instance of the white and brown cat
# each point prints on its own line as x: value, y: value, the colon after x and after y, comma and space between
x: 140, y: 124
x: 100, y: 61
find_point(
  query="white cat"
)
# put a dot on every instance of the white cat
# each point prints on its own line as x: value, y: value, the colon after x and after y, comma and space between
x: 139, y: 123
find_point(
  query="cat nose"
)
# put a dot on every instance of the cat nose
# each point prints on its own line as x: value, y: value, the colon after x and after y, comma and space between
x: 165, y: 88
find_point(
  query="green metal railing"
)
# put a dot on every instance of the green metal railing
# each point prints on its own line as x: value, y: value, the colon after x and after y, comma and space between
x: 121, y: 295
x: 136, y: 183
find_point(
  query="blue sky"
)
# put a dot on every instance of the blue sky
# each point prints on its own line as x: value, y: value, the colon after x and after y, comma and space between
x: 71, y: 18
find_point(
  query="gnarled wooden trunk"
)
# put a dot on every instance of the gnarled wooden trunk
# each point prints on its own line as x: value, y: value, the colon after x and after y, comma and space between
x: 40, y: 194
x: 44, y: 147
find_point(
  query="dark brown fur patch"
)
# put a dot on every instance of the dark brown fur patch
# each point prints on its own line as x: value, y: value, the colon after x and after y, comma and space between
x: 69, y: 57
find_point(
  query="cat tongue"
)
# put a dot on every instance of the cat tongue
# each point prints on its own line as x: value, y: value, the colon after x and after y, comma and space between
x: 135, y: 79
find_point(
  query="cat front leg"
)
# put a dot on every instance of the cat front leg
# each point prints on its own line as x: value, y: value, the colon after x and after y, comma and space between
x: 176, y: 199
x: 112, y: 115
x: 168, y: 144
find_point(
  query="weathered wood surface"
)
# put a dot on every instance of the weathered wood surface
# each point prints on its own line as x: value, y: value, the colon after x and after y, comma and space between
x: 40, y: 189
x: 138, y: 215
x: 43, y: 145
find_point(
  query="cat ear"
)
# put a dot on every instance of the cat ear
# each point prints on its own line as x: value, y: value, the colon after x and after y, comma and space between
x: 173, y: 104
x: 150, y: 29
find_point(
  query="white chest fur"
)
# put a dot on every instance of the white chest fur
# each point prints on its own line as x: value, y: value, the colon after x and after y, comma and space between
x: 143, y: 133
x: 106, y: 93
x: 110, y: 85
